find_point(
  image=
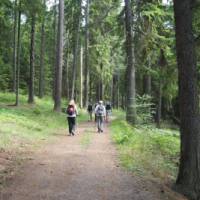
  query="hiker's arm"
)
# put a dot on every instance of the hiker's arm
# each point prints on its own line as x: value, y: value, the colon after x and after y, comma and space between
x: 95, y: 110
x: 104, y: 110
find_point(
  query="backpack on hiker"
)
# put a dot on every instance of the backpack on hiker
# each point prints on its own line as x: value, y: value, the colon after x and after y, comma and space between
x: 71, y: 110
x: 108, y: 106
x: 100, y: 110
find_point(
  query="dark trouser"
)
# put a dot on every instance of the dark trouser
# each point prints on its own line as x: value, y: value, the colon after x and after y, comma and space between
x: 71, y: 124
x: 95, y: 117
x: 100, y: 123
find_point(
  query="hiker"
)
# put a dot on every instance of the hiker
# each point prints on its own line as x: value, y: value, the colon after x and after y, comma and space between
x: 90, y: 109
x: 71, y: 117
x: 95, y: 116
x: 108, y: 111
x: 100, y: 112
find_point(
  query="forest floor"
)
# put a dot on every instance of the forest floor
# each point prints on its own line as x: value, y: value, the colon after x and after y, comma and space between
x: 83, y: 167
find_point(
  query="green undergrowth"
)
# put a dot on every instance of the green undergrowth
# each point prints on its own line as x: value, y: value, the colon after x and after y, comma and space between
x: 28, y: 124
x: 146, y: 150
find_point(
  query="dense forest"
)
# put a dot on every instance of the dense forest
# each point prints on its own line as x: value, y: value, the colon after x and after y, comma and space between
x: 142, y: 56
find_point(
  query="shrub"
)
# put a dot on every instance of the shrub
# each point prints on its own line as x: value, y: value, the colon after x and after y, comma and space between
x: 145, y: 109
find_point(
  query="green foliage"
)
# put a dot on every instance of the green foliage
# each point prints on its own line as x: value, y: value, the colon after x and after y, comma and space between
x: 27, y: 124
x: 145, y: 109
x: 146, y: 150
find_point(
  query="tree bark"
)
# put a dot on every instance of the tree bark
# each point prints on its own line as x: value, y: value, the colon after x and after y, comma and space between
x: 161, y: 63
x: 18, y: 55
x: 75, y: 53
x: 130, y: 85
x: 54, y: 61
x: 86, y: 71
x: 115, y: 90
x: 159, y: 106
x: 147, y: 80
x: 188, y: 181
x: 101, y: 89
x: 81, y: 77
x: 32, y: 61
x: 59, y: 64
x: 14, y: 46
x: 42, y: 52
x: 65, y: 82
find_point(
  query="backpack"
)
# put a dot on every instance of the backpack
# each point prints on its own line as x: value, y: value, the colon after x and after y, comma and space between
x: 100, y: 110
x: 108, y: 107
x: 70, y: 110
x: 89, y: 108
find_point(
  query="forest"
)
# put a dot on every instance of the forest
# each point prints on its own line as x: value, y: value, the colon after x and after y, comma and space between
x: 142, y: 56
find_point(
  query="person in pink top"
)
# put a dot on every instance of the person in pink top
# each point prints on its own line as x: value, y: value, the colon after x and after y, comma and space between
x: 71, y: 117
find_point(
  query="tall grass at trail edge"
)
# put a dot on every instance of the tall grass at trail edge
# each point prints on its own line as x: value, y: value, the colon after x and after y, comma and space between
x: 28, y: 124
x: 146, y: 150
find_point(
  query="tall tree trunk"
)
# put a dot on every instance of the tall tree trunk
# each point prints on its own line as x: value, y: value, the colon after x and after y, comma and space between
x: 81, y: 77
x: 115, y: 90
x: 18, y: 55
x: 147, y: 84
x: 67, y: 75
x: 65, y: 70
x: 101, y: 83
x: 42, y: 51
x: 188, y: 181
x: 90, y: 80
x: 75, y: 53
x: 147, y: 80
x: 54, y: 61
x: 32, y: 61
x: 118, y: 90
x: 161, y: 63
x: 130, y: 85
x: 159, y: 105
x: 86, y: 71
x: 14, y: 46
x: 59, y: 64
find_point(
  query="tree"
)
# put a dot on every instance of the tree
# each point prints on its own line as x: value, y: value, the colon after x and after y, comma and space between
x: 59, y: 59
x: 18, y: 55
x: 188, y: 181
x: 42, y: 52
x: 14, y: 46
x: 76, y: 46
x: 55, y: 36
x: 32, y: 60
x: 130, y: 84
x: 81, y: 77
x: 86, y: 70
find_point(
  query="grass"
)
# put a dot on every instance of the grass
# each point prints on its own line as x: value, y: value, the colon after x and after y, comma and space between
x: 86, y: 139
x: 28, y: 124
x: 146, y: 150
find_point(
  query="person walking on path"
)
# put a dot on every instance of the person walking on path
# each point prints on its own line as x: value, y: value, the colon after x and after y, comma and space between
x: 95, y: 116
x: 71, y: 117
x: 100, y: 112
x: 108, y: 111
x: 89, y: 110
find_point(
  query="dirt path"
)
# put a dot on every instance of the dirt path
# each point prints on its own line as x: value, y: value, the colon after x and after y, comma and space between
x: 83, y: 167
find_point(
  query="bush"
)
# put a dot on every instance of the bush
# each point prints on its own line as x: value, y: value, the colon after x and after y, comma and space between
x: 147, y: 150
x: 145, y: 109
